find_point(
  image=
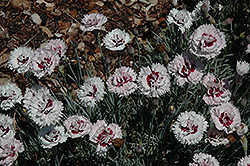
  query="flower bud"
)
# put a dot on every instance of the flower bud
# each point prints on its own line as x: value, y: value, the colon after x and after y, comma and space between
x: 107, y: 60
x: 135, y: 31
x: 248, y: 38
x: 131, y: 50
x: 204, y: 8
x: 242, y: 129
x: 171, y: 110
x: 138, y: 148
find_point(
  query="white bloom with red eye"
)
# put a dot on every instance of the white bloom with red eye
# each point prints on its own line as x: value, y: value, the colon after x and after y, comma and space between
x: 91, y: 92
x: 154, y: 80
x: 204, y: 160
x: 207, y: 41
x: 189, y: 127
x: 122, y: 81
x: 184, y: 71
x: 116, y: 40
x: 44, y: 62
x: 20, y: 59
x: 77, y: 126
x: 9, y: 149
x: 93, y: 21
x: 242, y: 67
x: 6, y: 127
x: 201, y: 8
x: 9, y: 95
x: 244, y: 161
x: 216, y: 90
x: 102, y: 134
x: 42, y: 108
x: 181, y: 18
x: 51, y: 136
x: 226, y: 117
x: 57, y: 45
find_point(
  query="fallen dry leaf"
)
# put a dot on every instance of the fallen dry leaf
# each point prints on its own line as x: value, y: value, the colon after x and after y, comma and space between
x: 20, y: 4
x: 47, y: 31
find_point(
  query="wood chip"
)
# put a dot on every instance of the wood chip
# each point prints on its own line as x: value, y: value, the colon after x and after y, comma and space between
x: 47, y: 31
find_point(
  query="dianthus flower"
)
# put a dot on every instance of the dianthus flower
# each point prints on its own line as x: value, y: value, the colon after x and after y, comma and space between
x: 181, y: 18
x: 244, y: 161
x: 9, y: 149
x: 93, y: 21
x: 50, y: 136
x: 6, y: 127
x: 226, y: 117
x: 42, y: 108
x: 248, y: 49
x: 203, y: 159
x: 154, y: 80
x: 201, y: 8
x: 20, y: 59
x: 102, y: 134
x: 207, y: 41
x: 9, y: 95
x: 217, y: 91
x: 44, y: 62
x: 91, y: 92
x: 122, y: 81
x: 242, y: 67
x: 116, y: 40
x: 77, y: 126
x: 242, y: 129
x: 184, y: 70
x: 189, y: 127
x: 57, y: 45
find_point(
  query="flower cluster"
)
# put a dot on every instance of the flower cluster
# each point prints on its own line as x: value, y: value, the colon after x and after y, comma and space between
x: 10, y: 94
x: 42, y: 108
x: 102, y: 134
x: 189, y: 127
x: 91, y: 91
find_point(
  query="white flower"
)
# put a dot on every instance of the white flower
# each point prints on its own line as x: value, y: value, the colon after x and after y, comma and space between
x: 154, y: 81
x: 20, y: 59
x: 207, y: 41
x: 184, y: 71
x: 217, y: 141
x: 116, y: 40
x: 189, y: 127
x: 201, y: 8
x: 6, y: 127
x: 122, y: 81
x: 41, y: 106
x: 244, y: 161
x: 216, y: 90
x: 181, y: 18
x: 44, y: 62
x: 226, y: 117
x: 102, y: 134
x: 242, y: 67
x: 9, y: 95
x: 50, y: 136
x: 242, y: 129
x: 93, y: 21
x: 57, y: 45
x: 203, y: 159
x: 9, y: 149
x: 77, y: 126
x: 248, y: 49
x: 91, y: 92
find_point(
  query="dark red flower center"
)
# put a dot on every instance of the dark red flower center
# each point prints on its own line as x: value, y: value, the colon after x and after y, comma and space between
x: 46, y: 63
x: 123, y: 80
x: 22, y: 60
x: 152, y: 78
x: 190, y: 129
x: 225, y: 119
x: 52, y: 136
x: 48, y: 106
x: 207, y: 40
x: 186, y: 69
x: 92, y: 94
x: 77, y: 127
x: 118, y: 41
x: 104, y: 138
x: 4, y: 130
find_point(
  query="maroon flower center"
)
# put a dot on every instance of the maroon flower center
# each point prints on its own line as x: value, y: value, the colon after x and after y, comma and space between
x: 207, y: 40
x: 92, y: 94
x: 46, y: 63
x: 186, y: 69
x: 190, y: 129
x: 104, y: 138
x: 92, y: 22
x: 214, y: 92
x: 123, y: 80
x: 52, y: 136
x: 152, y: 78
x: 225, y: 119
x: 118, y: 41
x: 22, y: 60
x: 4, y: 130
x: 179, y: 18
x: 77, y: 127
x: 48, y: 106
